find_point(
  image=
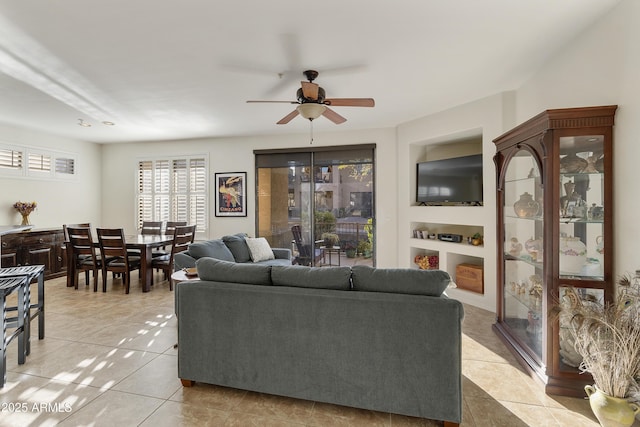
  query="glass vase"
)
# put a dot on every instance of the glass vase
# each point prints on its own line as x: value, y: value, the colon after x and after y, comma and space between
x: 25, y: 219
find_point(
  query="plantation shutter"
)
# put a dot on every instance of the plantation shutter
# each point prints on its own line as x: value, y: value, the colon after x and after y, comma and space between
x: 10, y: 159
x: 145, y: 191
x: 65, y: 166
x: 173, y: 190
x: 197, y: 191
x: 162, y: 188
x: 39, y: 162
x: 180, y: 189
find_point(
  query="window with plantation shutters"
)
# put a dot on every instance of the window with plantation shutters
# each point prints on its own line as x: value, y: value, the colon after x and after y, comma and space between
x: 39, y: 163
x: 173, y: 190
x: 65, y: 166
x: 10, y: 159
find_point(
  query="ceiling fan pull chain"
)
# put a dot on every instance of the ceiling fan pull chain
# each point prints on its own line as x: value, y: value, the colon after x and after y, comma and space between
x: 311, y: 126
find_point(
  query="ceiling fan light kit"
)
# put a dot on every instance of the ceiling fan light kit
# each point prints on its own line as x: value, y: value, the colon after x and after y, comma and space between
x: 311, y: 111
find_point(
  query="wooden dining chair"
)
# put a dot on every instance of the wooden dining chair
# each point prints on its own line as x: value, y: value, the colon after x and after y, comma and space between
x: 83, y: 256
x: 113, y: 250
x: 169, y: 229
x: 183, y: 236
x: 151, y: 227
x: 171, y: 225
x: 67, y: 250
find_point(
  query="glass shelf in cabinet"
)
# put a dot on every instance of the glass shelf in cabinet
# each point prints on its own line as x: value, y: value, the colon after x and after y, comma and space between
x: 589, y: 278
x: 528, y: 300
x: 576, y: 220
x: 526, y: 218
x: 572, y: 174
x: 527, y: 259
x: 534, y: 179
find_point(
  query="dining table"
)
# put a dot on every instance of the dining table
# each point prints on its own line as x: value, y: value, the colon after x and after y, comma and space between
x: 145, y: 243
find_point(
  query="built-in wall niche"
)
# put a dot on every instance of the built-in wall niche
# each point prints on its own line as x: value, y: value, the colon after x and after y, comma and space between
x: 430, y: 231
x: 419, y: 253
x: 448, y: 173
x: 470, y: 269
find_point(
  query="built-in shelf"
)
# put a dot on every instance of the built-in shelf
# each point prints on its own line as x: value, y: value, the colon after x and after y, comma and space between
x: 440, y: 246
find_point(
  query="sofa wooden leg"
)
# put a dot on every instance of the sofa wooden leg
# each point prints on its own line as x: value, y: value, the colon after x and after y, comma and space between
x: 451, y: 424
x: 187, y: 383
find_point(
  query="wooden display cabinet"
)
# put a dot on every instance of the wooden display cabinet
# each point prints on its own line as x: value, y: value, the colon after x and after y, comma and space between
x: 555, y: 229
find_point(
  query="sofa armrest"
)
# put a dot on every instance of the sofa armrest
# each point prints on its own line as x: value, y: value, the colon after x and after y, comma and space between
x: 281, y: 253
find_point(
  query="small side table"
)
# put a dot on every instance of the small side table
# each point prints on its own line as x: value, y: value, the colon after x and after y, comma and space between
x: 330, y: 250
x: 181, y: 276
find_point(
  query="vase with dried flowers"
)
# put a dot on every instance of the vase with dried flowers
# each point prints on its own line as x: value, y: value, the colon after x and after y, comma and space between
x: 606, y: 335
x: 25, y: 208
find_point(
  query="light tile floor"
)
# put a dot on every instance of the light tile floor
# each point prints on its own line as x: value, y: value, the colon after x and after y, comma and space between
x: 108, y: 360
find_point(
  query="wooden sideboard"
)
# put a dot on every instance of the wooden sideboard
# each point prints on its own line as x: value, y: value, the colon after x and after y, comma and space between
x: 39, y: 246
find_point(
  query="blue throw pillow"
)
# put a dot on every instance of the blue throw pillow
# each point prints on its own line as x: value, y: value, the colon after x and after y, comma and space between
x: 299, y: 276
x: 211, y: 249
x: 238, y: 247
x: 399, y: 280
x: 224, y: 271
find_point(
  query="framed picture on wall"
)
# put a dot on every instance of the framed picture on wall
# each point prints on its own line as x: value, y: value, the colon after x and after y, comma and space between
x: 231, y: 194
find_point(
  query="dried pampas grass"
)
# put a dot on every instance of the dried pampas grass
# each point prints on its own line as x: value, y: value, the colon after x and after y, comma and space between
x: 607, y: 336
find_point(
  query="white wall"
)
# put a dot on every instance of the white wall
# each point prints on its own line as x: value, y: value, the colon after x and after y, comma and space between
x: 59, y: 202
x: 601, y: 67
x: 236, y: 155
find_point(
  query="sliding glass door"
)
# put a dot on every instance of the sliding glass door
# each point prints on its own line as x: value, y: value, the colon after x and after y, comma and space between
x: 325, y: 194
x: 283, y: 197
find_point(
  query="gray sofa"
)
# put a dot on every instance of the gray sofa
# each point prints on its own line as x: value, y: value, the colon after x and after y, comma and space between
x: 231, y: 248
x: 380, y: 339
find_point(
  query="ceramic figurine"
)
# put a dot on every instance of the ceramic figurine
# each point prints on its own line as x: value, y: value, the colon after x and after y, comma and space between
x: 516, y: 247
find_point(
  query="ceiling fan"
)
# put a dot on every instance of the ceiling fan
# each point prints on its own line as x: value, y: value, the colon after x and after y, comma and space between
x: 312, y: 102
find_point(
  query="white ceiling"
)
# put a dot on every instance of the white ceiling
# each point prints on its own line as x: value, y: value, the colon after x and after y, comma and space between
x: 173, y: 69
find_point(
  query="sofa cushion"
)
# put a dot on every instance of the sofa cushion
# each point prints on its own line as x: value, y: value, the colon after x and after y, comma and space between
x: 238, y: 247
x: 211, y: 249
x: 259, y: 249
x: 399, y: 280
x: 276, y: 261
x: 337, y: 278
x: 224, y: 271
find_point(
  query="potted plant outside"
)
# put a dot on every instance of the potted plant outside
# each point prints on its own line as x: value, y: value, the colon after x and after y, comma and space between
x: 607, y: 338
x: 364, y: 248
x: 330, y: 239
x: 325, y: 222
x: 350, y: 249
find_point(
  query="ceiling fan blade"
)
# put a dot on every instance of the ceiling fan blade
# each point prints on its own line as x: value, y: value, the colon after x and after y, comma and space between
x: 274, y: 102
x: 350, y: 102
x: 286, y: 119
x: 310, y: 90
x: 333, y: 116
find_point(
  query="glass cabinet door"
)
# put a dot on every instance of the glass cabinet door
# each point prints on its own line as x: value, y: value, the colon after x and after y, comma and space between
x: 581, y: 243
x: 523, y: 247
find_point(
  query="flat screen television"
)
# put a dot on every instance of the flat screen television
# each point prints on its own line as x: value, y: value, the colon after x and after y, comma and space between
x: 453, y: 181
